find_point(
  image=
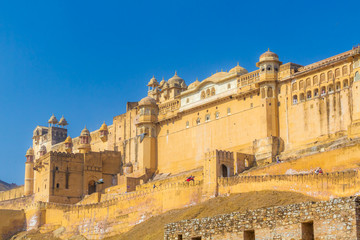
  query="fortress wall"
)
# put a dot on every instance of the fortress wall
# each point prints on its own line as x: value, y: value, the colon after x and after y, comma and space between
x: 334, y: 219
x: 340, y: 159
x: 11, y: 222
x: 116, y: 215
x: 12, y: 194
x: 322, y: 186
x: 17, y: 203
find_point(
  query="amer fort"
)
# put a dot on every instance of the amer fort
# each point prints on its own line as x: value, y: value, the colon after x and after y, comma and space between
x: 283, y: 128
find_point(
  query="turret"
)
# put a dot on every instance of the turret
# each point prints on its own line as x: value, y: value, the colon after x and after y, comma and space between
x: 29, y: 172
x: 269, y: 65
x: 68, y: 144
x: 63, y: 122
x: 104, y: 132
x: 267, y: 147
x: 85, y: 139
x: 52, y: 121
x: 148, y: 111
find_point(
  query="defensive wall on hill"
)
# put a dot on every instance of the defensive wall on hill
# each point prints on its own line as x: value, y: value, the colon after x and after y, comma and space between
x: 322, y: 186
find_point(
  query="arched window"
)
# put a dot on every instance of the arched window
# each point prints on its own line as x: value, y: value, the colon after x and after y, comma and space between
x: 207, y: 117
x: 346, y: 83
x: 301, y: 85
x: 268, y: 68
x: 187, y: 100
x: 202, y: 94
x: 308, y: 82
x: 270, y: 92
x: 295, y: 99
x: 294, y: 86
x: 302, y: 97
x: 212, y: 91
x: 338, y: 86
x: 315, y: 80
x: 228, y: 111
x: 217, y: 114
x: 187, y: 124
x: 316, y: 92
x: 91, y: 187
x: 329, y: 75
x: 330, y: 88
x: 357, y: 76
x: 308, y: 94
x: 198, y: 121
x: 229, y: 86
x: 224, y: 170
x: 322, y: 78
x: 344, y: 70
x: 208, y: 92
x: 323, y: 91
x: 263, y: 93
x: 337, y: 72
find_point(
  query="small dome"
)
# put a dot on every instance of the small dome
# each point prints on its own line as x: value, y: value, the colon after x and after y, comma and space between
x: 43, y: 148
x: 104, y: 127
x: 194, y: 84
x: 147, y: 101
x: 175, y: 80
x: 183, y: 85
x: 268, y: 56
x: 162, y: 83
x: 166, y: 86
x: 68, y: 139
x: 30, y: 152
x: 63, y: 121
x: 53, y: 120
x: 153, y: 82
x: 238, y: 69
x: 85, y: 132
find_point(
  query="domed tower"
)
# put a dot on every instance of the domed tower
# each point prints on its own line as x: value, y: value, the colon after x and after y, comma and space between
x: 85, y: 139
x: 29, y: 172
x: 104, y: 132
x: 146, y: 125
x: 269, y: 65
x: 153, y: 88
x: 175, y: 86
x: 68, y: 144
x: 63, y: 122
x: 52, y: 121
x: 269, y: 145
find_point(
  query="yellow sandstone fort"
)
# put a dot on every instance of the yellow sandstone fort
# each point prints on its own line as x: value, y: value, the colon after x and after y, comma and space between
x: 234, y: 132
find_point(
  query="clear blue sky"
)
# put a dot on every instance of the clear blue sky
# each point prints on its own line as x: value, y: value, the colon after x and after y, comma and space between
x: 86, y: 59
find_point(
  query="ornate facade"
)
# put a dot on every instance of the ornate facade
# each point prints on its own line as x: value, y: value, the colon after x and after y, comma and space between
x: 252, y: 117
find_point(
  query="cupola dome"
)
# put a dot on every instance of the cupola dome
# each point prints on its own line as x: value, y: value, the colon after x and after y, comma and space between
x: 147, y: 101
x: 53, y: 120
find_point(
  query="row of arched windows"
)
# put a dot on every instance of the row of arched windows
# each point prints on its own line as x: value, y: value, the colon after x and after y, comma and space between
x: 323, y: 77
x: 323, y: 91
x: 209, y: 92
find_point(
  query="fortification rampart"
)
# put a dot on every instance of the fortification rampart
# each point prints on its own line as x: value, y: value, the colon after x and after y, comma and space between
x: 114, y: 215
x: 334, y: 219
x: 322, y: 186
x: 12, y: 193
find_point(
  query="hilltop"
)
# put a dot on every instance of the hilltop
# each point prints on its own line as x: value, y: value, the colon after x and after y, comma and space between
x: 4, y: 186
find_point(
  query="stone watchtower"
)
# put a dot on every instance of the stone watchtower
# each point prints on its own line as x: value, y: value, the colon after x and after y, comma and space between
x: 146, y: 125
x: 29, y: 172
x: 85, y: 139
x: 267, y: 147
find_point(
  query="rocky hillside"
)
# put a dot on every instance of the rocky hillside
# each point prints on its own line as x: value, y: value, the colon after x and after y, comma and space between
x: 6, y: 186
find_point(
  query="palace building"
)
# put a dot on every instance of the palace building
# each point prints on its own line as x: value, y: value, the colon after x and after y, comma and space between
x: 245, y: 118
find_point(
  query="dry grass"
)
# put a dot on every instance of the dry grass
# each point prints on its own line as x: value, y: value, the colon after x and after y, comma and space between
x: 153, y: 228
